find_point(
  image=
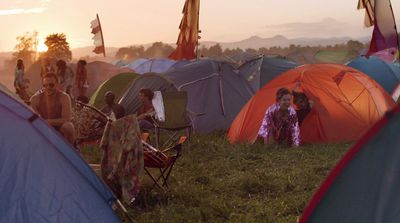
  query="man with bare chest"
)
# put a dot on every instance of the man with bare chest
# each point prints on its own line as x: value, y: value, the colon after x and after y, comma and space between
x: 55, y: 107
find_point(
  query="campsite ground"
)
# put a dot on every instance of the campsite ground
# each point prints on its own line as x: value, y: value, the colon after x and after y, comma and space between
x: 214, y: 181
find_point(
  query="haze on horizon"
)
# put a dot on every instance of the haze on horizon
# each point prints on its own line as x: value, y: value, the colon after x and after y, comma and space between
x: 128, y: 22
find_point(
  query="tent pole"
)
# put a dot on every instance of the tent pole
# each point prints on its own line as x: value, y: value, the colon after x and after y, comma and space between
x: 395, y: 28
x: 124, y: 210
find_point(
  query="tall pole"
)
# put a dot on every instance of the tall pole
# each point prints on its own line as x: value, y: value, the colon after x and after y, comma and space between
x: 395, y: 28
x: 198, y: 31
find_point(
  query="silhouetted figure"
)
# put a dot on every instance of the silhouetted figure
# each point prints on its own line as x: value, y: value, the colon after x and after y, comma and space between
x: 81, y: 78
x: 112, y: 107
x: 65, y: 75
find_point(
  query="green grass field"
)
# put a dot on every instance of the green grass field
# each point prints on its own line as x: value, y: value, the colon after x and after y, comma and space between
x: 214, y: 181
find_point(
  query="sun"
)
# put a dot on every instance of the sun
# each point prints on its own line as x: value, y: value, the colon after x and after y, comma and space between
x: 41, y: 47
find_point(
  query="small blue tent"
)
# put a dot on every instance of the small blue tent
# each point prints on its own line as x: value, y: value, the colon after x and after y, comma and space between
x: 154, y: 65
x: 42, y: 178
x: 364, y: 185
x: 387, y: 75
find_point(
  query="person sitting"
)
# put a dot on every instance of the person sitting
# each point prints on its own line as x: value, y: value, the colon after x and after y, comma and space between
x: 112, y: 107
x: 280, y: 122
x: 303, y: 105
x: 146, y: 110
x: 54, y: 106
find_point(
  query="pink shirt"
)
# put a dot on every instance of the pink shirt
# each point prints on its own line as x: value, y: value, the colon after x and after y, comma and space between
x: 281, y: 129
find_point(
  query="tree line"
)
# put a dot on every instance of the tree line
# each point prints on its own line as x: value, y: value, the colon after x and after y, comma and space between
x: 58, y: 48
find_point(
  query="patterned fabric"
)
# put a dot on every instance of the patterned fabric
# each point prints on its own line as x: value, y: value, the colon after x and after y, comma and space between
x: 122, y: 162
x: 279, y: 127
x: 89, y: 124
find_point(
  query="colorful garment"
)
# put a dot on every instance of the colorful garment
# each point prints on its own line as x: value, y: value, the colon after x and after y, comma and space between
x: 280, y: 128
x: 122, y: 162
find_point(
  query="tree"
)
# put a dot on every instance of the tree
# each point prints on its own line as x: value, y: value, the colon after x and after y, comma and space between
x: 130, y: 53
x: 58, y: 47
x: 26, y: 48
x: 355, y: 45
x: 159, y: 50
x: 215, y: 50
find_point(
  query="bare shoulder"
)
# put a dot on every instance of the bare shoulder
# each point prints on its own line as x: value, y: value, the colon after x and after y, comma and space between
x: 64, y: 97
x: 34, y: 98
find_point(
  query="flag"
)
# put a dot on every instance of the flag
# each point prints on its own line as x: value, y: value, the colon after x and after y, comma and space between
x: 379, y: 13
x: 189, y: 32
x: 98, y: 36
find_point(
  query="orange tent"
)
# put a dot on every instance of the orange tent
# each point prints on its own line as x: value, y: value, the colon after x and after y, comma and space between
x: 346, y: 103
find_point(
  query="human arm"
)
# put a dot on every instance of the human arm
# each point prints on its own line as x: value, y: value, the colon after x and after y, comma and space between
x: 267, y: 125
x: 148, y: 112
x: 119, y: 111
x: 66, y: 111
x: 294, y: 129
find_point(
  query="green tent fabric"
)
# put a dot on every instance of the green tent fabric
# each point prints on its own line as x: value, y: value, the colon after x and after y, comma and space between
x: 364, y: 185
x: 335, y: 56
x: 118, y: 84
x: 155, y: 82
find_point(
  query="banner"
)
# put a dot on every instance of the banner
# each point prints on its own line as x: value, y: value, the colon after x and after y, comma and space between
x: 98, y: 40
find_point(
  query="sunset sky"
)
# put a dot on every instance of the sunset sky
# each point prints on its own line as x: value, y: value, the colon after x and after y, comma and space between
x: 127, y: 22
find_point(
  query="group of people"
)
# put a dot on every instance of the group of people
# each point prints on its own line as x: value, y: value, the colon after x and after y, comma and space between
x: 282, y: 121
x: 64, y: 74
x: 54, y: 101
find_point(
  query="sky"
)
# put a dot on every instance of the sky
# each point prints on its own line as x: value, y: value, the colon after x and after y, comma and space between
x: 131, y: 22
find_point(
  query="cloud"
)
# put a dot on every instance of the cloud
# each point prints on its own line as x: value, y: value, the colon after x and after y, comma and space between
x: 328, y: 27
x: 21, y: 11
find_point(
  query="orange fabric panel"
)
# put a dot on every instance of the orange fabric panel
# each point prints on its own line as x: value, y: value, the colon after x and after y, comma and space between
x: 346, y: 103
x: 189, y: 32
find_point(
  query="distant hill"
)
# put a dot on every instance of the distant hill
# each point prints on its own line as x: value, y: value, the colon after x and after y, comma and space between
x: 256, y: 42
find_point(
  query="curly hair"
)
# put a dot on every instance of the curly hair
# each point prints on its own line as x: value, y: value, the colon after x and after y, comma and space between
x: 282, y: 92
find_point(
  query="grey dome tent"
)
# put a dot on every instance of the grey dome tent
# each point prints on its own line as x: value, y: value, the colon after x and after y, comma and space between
x: 213, y: 89
x: 153, y: 81
x: 261, y: 70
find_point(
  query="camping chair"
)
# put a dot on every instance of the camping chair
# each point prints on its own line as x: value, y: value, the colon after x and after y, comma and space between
x: 89, y: 123
x: 163, y: 160
x: 174, y: 118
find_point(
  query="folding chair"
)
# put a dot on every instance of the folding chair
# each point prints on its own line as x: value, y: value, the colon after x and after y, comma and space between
x: 176, y: 118
x: 159, y: 159
x: 89, y: 123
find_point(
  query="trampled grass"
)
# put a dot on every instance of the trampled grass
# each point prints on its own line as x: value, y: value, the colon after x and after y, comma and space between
x: 214, y: 181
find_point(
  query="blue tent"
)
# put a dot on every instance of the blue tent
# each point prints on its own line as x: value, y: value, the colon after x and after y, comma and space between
x: 261, y: 70
x: 42, y: 178
x: 364, y: 185
x: 387, y: 75
x: 154, y: 66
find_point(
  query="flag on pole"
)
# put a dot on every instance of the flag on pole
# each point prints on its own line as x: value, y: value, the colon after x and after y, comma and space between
x: 98, y: 36
x: 379, y: 13
x: 189, y: 32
